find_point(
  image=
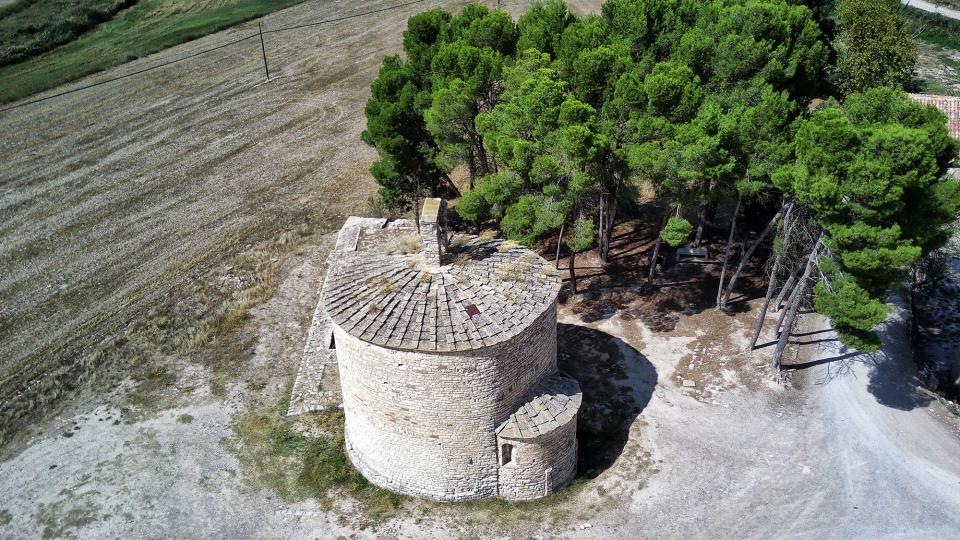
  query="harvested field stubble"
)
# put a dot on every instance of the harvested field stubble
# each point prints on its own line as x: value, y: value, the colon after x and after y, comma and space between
x: 114, y: 198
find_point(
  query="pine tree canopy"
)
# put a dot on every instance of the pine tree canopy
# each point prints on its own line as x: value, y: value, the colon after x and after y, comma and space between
x: 874, y: 173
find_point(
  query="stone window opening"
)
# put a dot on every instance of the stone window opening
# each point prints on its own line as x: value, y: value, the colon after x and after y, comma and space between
x: 506, y: 454
x: 333, y: 342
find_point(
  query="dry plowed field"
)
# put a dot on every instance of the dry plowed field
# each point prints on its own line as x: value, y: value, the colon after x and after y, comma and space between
x: 114, y: 196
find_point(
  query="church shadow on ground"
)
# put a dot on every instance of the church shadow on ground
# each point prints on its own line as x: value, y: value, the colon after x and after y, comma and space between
x: 617, y: 383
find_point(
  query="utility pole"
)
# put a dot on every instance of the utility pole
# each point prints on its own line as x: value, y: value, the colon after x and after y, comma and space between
x: 263, y: 49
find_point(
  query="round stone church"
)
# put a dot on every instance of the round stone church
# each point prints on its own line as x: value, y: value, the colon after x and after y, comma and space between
x: 447, y: 353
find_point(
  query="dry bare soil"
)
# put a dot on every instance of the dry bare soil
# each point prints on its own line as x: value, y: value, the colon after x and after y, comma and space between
x: 163, y: 239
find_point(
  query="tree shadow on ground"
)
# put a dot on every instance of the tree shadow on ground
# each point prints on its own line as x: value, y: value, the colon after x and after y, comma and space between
x: 891, y: 384
x: 894, y: 384
x: 617, y: 383
x: 681, y: 287
x: 892, y: 374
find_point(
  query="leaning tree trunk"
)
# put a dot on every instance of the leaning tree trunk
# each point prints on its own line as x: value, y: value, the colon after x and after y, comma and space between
x: 753, y: 247
x: 786, y: 295
x: 787, y: 287
x: 772, y: 283
x: 454, y: 191
x: 573, y: 272
x: 726, y: 254
x: 556, y: 260
x: 795, y: 299
x: 656, y: 248
x: 653, y: 261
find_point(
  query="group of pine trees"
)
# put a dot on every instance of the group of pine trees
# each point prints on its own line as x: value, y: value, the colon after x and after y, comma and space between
x: 717, y: 107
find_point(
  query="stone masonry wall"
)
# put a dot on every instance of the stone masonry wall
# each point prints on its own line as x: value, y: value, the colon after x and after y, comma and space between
x: 541, y: 466
x: 424, y: 423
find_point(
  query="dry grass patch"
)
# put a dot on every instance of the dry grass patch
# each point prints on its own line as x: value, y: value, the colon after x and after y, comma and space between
x: 404, y: 245
x: 278, y: 455
x: 379, y: 286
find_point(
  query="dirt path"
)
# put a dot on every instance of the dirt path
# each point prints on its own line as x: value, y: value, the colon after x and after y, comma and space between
x: 931, y: 7
x: 885, y: 435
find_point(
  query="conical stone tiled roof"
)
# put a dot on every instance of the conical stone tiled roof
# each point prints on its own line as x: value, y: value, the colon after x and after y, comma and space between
x: 483, y: 292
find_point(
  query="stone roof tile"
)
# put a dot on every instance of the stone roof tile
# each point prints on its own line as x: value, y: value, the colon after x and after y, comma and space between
x: 552, y: 403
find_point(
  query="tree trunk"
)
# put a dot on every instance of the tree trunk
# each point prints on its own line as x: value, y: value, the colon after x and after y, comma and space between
x: 656, y: 248
x: 787, y: 287
x: 416, y: 203
x: 601, y: 224
x: 753, y: 247
x: 795, y: 299
x: 726, y: 254
x: 653, y: 260
x: 611, y: 221
x: 573, y: 272
x: 481, y: 153
x: 701, y: 218
x: 472, y: 166
x: 556, y: 260
x: 772, y: 282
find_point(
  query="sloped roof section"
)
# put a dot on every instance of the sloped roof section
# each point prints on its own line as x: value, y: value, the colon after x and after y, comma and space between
x: 552, y: 403
x: 485, y: 292
x: 949, y: 105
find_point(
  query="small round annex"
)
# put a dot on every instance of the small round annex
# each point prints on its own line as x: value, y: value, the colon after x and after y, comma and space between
x: 448, y: 363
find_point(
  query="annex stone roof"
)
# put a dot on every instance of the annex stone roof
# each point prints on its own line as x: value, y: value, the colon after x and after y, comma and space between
x: 552, y: 403
x: 385, y: 292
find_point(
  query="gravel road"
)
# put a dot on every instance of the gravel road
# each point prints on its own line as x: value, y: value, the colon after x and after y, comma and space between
x: 896, y: 450
x: 855, y: 450
x: 931, y: 7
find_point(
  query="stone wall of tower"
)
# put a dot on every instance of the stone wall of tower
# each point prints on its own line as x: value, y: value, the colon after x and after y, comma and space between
x: 423, y: 423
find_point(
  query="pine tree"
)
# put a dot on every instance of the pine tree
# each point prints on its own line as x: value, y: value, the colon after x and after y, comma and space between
x: 873, y: 173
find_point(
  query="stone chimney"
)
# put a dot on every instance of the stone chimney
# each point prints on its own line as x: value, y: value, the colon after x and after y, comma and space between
x: 433, y: 230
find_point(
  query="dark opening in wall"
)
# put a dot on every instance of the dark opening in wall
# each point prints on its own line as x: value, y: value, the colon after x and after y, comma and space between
x: 333, y: 342
x: 506, y: 454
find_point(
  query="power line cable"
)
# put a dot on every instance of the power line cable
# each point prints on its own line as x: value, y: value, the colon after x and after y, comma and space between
x: 345, y: 17
x: 205, y: 51
x: 131, y: 74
